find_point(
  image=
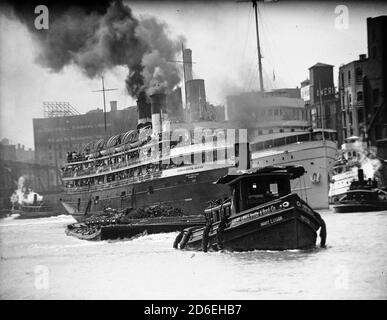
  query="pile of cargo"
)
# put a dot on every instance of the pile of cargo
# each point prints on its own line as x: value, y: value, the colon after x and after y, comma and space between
x: 154, y: 211
x: 134, y: 219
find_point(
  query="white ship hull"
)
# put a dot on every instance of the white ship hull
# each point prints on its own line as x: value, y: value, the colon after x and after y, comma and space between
x: 317, y: 157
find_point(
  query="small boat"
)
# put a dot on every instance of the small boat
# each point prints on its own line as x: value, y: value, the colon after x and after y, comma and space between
x: 362, y: 196
x: 82, y: 232
x: 29, y: 211
x: 262, y: 214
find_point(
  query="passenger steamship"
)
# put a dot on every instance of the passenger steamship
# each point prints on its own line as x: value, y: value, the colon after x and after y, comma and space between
x: 146, y: 166
x: 279, y: 135
x: 315, y: 150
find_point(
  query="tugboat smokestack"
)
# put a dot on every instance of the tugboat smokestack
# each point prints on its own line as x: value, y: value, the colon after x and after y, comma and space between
x: 360, y: 175
x: 158, y: 107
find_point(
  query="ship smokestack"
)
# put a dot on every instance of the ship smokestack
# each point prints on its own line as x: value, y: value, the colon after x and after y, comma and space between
x: 144, y: 109
x: 158, y: 109
x: 360, y: 175
x: 187, y: 59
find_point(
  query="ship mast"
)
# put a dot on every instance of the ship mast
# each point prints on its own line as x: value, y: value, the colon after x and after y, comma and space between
x: 255, y: 5
x: 104, y: 100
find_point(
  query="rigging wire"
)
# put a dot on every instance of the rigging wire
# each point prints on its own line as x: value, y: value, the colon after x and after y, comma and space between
x: 275, y: 47
x: 247, y: 33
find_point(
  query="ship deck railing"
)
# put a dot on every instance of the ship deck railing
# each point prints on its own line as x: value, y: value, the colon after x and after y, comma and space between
x: 100, y: 169
x: 108, y: 185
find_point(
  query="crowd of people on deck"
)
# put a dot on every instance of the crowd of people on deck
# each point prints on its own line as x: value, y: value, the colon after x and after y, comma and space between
x: 75, y: 156
x: 100, y: 165
x: 152, y: 169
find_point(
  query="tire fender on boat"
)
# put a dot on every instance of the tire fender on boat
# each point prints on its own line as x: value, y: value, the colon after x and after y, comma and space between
x: 323, y: 230
x: 178, y: 239
x: 315, y: 178
x: 323, y: 234
x: 206, y: 232
x: 219, y: 233
x: 186, y: 237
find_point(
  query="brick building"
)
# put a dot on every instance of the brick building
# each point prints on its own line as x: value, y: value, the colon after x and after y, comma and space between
x: 351, y: 97
x: 322, y: 109
x: 363, y: 88
x: 55, y: 136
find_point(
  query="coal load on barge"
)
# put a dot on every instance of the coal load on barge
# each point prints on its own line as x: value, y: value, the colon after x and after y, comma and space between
x: 261, y: 214
x: 129, y: 223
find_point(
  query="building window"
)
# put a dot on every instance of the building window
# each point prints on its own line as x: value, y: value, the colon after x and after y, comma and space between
x: 349, y: 76
x: 358, y: 75
x: 342, y: 79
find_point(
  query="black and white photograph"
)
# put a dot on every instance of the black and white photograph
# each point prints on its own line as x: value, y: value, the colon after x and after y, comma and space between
x: 193, y: 150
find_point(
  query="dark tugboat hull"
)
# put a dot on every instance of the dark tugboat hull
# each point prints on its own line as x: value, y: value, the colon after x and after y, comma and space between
x: 292, y: 228
x: 350, y: 208
x: 289, y: 234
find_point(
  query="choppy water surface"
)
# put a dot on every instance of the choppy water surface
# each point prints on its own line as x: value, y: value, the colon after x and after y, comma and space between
x: 38, y: 261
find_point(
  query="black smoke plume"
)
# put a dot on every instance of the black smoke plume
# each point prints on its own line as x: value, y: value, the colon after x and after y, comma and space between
x: 98, y: 36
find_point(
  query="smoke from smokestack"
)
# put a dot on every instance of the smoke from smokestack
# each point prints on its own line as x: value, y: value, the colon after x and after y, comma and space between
x: 100, y: 37
x: 369, y: 163
x: 23, y: 195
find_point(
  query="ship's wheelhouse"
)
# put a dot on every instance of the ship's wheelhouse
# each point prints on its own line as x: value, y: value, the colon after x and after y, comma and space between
x: 259, y: 186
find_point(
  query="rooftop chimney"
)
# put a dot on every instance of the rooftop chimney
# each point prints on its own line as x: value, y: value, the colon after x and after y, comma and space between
x: 187, y: 64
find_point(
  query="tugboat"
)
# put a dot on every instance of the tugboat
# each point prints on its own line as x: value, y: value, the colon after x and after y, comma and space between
x: 261, y: 214
x: 29, y: 211
x: 362, y: 196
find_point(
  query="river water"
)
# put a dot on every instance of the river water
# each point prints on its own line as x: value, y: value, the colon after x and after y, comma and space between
x: 38, y: 261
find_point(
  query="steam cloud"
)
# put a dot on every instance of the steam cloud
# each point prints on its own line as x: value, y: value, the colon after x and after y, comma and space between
x: 368, y: 160
x: 23, y: 195
x: 99, y: 37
